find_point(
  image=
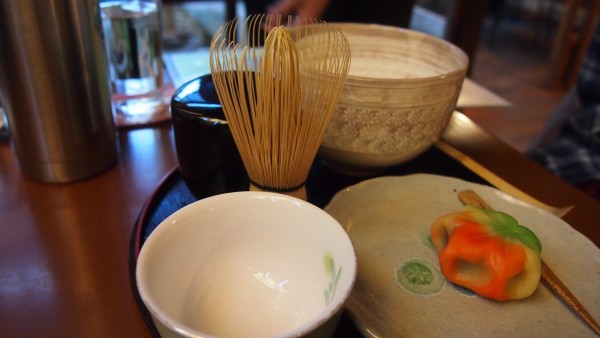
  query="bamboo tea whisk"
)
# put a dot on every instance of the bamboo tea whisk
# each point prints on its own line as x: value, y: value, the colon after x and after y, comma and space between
x: 279, y: 90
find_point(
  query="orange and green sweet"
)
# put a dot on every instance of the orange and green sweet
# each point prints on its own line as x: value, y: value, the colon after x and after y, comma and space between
x: 488, y: 252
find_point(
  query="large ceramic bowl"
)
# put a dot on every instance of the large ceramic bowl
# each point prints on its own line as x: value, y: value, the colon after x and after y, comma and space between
x: 246, y: 264
x: 400, y: 93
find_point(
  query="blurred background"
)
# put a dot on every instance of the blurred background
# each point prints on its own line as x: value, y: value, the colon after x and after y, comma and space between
x: 525, y: 51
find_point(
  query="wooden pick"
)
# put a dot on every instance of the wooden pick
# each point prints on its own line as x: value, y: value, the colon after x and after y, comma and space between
x: 469, y: 197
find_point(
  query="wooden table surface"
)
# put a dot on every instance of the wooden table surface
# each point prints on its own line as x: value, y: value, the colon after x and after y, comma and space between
x: 64, y: 247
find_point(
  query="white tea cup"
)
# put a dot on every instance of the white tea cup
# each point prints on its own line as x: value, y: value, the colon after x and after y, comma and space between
x: 246, y: 264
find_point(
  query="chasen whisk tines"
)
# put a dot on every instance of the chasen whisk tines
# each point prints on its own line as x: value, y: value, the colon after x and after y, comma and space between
x: 278, y: 90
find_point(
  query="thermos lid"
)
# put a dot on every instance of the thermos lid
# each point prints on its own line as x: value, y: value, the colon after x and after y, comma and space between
x: 198, y: 99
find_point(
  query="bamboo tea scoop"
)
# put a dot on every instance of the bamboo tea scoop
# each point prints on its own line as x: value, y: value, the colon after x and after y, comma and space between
x: 469, y: 197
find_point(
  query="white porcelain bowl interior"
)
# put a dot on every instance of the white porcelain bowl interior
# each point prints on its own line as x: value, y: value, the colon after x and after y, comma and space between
x: 246, y: 264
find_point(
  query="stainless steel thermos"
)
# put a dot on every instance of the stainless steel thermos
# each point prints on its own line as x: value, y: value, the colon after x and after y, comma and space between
x: 54, y: 87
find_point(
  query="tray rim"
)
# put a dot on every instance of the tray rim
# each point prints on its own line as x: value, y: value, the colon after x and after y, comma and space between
x: 136, y: 242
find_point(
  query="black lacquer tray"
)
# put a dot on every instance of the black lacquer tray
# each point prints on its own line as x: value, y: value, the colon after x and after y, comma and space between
x: 173, y: 194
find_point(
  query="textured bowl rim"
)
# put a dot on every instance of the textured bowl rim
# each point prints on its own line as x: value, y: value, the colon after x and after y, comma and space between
x: 409, y: 81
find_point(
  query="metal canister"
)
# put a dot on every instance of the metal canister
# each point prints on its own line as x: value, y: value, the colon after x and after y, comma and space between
x: 55, y: 89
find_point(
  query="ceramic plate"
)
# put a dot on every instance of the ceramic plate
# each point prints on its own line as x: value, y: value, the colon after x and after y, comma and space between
x: 400, y: 291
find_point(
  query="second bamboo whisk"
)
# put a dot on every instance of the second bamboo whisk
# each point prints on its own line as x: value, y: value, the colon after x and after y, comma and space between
x: 278, y: 90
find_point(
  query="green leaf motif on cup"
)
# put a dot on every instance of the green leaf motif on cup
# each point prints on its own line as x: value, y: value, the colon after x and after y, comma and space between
x: 334, y: 276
